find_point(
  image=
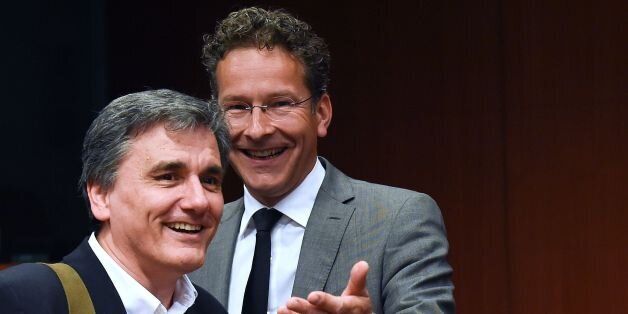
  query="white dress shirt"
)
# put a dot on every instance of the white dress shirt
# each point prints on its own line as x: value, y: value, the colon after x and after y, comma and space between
x: 286, y: 239
x: 135, y: 298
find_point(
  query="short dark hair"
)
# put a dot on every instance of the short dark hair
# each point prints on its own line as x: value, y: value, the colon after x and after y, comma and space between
x: 265, y: 29
x: 109, y: 137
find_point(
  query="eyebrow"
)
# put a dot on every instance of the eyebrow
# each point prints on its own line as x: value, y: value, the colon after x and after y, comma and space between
x: 214, y: 170
x: 178, y: 165
x: 276, y: 94
x: 167, y: 166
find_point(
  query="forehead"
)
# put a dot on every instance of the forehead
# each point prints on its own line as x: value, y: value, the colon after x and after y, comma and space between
x: 249, y: 69
x: 196, y: 147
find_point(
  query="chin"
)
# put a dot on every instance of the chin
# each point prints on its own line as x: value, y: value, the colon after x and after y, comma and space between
x: 188, y: 266
x: 265, y: 185
x: 187, y: 263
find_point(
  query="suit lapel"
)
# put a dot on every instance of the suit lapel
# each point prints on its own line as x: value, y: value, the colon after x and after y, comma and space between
x: 220, y: 253
x: 323, y: 234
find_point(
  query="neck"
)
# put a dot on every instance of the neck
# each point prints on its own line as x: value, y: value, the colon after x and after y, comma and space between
x: 159, y: 283
x: 272, y: 200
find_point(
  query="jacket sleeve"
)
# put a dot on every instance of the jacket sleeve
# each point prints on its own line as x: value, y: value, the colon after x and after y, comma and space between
x: 416, y: 276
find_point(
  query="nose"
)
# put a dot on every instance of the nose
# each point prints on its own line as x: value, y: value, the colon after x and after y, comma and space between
x: 195, y: 197
x: 259, y: 125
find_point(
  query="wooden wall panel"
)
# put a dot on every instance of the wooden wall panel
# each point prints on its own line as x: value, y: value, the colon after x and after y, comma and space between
x: 567, y: 156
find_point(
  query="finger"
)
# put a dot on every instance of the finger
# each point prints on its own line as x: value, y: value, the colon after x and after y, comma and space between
x: 357, y: 280
x: 299, y: 305
x: 284, y: 310
x: 325, y: 302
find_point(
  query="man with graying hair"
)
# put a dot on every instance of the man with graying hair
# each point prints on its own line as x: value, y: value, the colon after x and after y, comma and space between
x: 153, y: 165
x: 304, y: 234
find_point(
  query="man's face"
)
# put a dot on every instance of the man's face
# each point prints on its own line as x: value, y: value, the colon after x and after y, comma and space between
x: 165, y: 205
x: 272, y: 157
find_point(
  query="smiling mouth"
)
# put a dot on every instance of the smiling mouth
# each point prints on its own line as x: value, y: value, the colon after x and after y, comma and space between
x: 263, y: 154
x: 184, y: 227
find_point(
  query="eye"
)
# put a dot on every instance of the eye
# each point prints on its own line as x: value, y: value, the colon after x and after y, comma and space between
x: 212, y: 181
x: 235, y: 107
x: 281, y: 103
x: 166, y: 177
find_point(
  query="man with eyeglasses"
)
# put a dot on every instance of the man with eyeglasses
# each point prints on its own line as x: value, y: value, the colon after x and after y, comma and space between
x: 304, y: 235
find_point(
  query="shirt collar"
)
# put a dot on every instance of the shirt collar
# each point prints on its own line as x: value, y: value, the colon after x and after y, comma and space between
x: 135, y: 298
x: 297, y: 205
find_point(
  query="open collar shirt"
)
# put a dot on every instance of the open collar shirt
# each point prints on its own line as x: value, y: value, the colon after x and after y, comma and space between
x: 136, y: 299
x: 286, y: 238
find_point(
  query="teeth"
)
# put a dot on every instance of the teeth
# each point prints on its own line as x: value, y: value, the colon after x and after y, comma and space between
x: 264, y: 153
x: 183, y: 226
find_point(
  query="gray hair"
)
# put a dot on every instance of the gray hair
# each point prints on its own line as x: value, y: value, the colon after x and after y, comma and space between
x: 109, y: 137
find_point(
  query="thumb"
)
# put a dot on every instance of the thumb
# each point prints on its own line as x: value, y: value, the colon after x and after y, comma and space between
x: 357, y: 281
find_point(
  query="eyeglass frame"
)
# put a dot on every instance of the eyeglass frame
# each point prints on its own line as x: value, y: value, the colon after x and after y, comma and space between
x: 264, y: 108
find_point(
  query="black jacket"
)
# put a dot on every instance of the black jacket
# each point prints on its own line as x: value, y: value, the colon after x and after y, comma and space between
x: 35, y: 288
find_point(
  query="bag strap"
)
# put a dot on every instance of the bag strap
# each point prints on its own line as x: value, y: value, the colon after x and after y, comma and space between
x: 76, y: 293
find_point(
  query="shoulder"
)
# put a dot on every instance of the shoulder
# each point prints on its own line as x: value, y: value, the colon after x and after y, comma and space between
x: 234, y: 204
x: 26, y: 275
x: 383, y: 201
x: 233, y: 209
x: 389, y: 196
x: 205, y: 303
x: 381, y: 189
x: 341, y: 185
x: 31, y: 286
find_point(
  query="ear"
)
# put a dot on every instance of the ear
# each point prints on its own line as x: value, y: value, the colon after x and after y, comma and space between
x: 323, y: 115
x: 99, y: 202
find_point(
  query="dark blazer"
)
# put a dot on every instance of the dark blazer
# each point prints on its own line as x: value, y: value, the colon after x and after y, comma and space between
x: 35, y: 288
x: 400, y: 233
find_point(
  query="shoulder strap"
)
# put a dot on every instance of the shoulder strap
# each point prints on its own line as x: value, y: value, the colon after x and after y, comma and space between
x: 76, y: 293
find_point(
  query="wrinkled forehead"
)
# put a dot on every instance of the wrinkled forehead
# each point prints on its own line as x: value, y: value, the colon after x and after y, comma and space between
x: 192, y: 146
x: 245, y: 69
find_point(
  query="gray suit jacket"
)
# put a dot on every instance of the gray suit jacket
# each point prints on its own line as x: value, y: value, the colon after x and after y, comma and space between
x: 400, y: 233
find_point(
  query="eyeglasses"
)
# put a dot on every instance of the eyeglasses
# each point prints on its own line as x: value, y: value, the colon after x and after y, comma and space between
x: 278, y: 109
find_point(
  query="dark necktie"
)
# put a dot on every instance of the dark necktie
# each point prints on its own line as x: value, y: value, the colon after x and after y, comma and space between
x: 256, y: 293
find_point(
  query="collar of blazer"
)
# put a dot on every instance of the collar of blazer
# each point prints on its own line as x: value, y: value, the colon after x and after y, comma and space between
x: 325, y: 230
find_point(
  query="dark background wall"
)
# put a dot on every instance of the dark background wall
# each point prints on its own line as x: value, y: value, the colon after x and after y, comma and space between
x: 52, y: 82
x: 511, y: 114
